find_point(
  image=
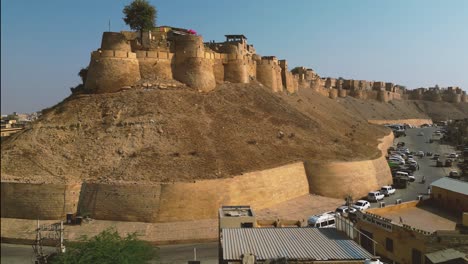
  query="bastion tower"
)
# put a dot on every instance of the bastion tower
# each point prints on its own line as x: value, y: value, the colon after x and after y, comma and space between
x: 191, y: 65
x: 113, y: 66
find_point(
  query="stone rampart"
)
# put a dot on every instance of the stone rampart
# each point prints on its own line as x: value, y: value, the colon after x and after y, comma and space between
x: 267, y: 71
x: 38, y: 201
x: 115, y: 41
x: 413, y: 122
x: 110, y: 70
x: 356, y: 178
x: 155, y: 64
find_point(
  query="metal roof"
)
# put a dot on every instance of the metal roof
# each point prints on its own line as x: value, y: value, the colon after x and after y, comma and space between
x: 452, y: 185
x: 444, y: 255
x: 290, y: 243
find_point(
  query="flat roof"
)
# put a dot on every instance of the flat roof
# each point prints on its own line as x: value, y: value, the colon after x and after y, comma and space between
x: 445, y: 255
x: 434, y: 218
x: 292, y: 243
x: 452, y: 185
x: 235, y: 36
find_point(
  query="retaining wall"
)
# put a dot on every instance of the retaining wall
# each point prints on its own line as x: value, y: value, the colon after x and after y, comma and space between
x: 413, y: 122
x: 38, y: 201
x: 338, y: 179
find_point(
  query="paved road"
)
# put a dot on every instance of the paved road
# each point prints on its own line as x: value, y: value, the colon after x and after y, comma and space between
x: 426, y: 165
x: 207, y: 253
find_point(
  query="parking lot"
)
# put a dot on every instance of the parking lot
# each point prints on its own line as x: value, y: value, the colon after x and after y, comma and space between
x: 427, y: 166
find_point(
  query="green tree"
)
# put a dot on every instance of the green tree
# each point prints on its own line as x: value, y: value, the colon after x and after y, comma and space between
x: 106, y: 248
x: 83, y: 73
x: 140, y: 16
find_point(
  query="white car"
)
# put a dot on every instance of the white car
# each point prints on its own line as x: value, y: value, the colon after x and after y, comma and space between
x: 453, y: 155
x: 375, y: 196
x: 344, y: 210
x: 421, y: 153
x: 454, y: 174
x: 387, y: 190
x: 361, y: 205
x: 322, y: 220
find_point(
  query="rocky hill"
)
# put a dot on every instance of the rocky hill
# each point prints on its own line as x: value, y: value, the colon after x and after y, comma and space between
x: 179, y: 134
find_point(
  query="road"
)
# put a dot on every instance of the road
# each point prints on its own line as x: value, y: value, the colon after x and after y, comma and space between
x: 427, y: 166
x: 207, y: 253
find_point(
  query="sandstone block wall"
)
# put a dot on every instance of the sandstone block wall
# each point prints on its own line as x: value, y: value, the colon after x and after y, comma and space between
x: 267, y: 71
x: 193, y: 201
x: 236, y: 71
x: 38, y: 201
x: 413, y: 122
x: 154, y: 64
x: 110, y: 70
x: 115, y: 41
x: 124, y: 202
x: 338, y: 179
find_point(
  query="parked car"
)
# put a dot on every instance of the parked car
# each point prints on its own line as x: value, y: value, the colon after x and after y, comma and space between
x: 361, y: 205
x: 429, y: 154
x: 453, y: 155
x: 375, y: 196
x: 322, y: 220
x: 421, y: 153
x: 387, y: 190
x: 454, y: 174
x: 345, y: 210
x: 448, y: 163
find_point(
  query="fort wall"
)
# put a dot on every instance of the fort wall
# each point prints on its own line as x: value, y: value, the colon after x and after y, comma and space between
x: 191, y: 65
x: 155, y: 64
x: 267, y: 70
x: 356, y: 178
x: 38, y: 201
x: 110, y: 70
x: 236, y: 71
x: 115, y: 41
x: 413, y: 122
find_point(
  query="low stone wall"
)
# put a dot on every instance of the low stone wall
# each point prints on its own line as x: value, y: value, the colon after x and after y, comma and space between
x: 38, y: 201
x: 413, y: 122
x: 357, y: 178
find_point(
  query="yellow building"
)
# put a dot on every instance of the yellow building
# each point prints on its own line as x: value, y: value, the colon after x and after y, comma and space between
x: 451, y: 194
x: 408, y: 232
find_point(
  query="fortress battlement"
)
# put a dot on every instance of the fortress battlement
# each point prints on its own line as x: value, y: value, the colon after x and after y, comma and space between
x: 173, y: 53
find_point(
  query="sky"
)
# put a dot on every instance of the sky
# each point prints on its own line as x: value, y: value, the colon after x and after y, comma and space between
x: 416, y: 43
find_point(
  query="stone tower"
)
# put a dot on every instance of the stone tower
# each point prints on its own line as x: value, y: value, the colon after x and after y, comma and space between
x: 113, y: 66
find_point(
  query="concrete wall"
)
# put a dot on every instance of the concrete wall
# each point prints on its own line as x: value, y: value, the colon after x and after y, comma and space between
x: 413, y: 122
x: 38, y: 201
x: 357, y: 178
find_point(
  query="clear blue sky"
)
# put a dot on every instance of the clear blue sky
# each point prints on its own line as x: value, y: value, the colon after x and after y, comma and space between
x: 414, y: 43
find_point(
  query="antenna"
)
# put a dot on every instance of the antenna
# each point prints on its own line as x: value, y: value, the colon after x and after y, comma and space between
x: 109, y: 25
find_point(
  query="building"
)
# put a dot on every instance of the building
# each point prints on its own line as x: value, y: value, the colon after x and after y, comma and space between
x: 451, y: 194
x: 293, y: 244
x: 412, y: 232
x: 244, y: 239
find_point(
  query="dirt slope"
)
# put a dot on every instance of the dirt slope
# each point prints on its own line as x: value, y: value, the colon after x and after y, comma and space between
x: 405, y: 109
x: 178, y: 134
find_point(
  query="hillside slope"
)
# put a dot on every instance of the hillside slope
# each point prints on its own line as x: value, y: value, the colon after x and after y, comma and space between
x: 405, y: 109
x: 153, y: 135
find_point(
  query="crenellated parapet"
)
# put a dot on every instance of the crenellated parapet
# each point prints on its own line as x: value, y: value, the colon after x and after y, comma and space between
x: 168, y: 53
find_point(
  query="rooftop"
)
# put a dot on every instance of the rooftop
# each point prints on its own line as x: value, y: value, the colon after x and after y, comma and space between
x: 452, y: 185
x: 434, y: 218
x: 235, y: 211
x: 290, y: 243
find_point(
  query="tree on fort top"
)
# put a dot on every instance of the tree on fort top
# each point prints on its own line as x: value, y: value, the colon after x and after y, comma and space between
x: 140, y: 15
